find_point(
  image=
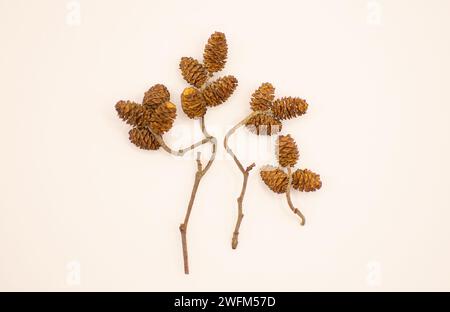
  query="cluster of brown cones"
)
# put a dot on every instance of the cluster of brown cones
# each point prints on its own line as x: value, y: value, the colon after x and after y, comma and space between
x: 203, y: 94
x: 152, y: 118
x: 271, y: 112
x: 277, y: 179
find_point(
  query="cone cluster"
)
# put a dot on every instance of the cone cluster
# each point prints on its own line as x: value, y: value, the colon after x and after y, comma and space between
x: 195, y: 103
x: 156, y: 113
x: 273, y: 111
x: 277, y: 179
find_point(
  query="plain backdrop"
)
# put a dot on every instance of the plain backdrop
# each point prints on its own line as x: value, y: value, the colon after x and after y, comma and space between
x: 81, y: 208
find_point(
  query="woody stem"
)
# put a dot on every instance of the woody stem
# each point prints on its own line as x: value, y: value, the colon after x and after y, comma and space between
x: 198, y: 176
x: 288, y: 197
x: 245, y: 173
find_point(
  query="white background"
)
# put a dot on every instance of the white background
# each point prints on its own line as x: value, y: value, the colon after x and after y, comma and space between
x: 83, y: 209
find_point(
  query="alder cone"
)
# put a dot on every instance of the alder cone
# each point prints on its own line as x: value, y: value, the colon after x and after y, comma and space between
x: 143, y: 138
x: 220, y: 90
x: 163, y: 117
x: 193, y: 72
x: 306, y: 181
x: 263, y: 97
x: 287, y: 151
x: 264, y: 124
x: 193, y: 103
x: 289, y: 107
x: 133, y: 114
x: 275, y: 178
x: 156, y: 95
x: 215, y: 53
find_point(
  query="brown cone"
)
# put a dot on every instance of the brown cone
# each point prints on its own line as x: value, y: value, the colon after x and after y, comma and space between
x: 275, y: 178
x: 220, y: 90
x: 193, y: 72
x: 193, y: 103
x: 143, y: 138
x: 306, y: 181
x: 264, y: 124
x: 289, y: 107
x: 263, y: 97
x: 163, y: 117
x: 287, y: 151
x: 215, y: 54
x: 133, y: 113
x: 156, y: 95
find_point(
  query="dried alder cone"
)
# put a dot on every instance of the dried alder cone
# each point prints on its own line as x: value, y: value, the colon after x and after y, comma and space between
x: 306, y: 181
x: 193, y: 103
x: 193, y: 72
x: 220, y: 90
x: 287, y: 151
x: 289, y: 107
x: 156, y: 95
x: 215, y: 54
x: 156, y: 113
x: 205, y: 94
x: 263, y: 97
x: 263, y: 124
x: 143, y: 138
x: 275, y: 178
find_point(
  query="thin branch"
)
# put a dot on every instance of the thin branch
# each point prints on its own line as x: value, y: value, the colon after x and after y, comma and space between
x: 288, y: 197
x: 245, y: 173
x: 198, y: 177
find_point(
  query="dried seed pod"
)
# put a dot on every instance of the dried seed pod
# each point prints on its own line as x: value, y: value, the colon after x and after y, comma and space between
x: 275, y: 178
x: 215, y: 54
x: 143, y: 138
x: 193, y: 72
x: 264, y: 124
x: 156, y: 95
x: 263, y: 97
x: 133, y: 113
x: 193, y: 103
x: 306, y: 181
x: 289, y: 107
x: 163, y: 117
x: 220, y: 90
x: 287, y: 151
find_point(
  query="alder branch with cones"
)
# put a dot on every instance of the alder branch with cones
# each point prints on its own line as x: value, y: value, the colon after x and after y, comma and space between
x: 155, y: 116
x: 266, y: 119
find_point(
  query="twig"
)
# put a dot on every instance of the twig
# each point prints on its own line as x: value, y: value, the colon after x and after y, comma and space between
x: 288, y: 197
x: 198, y: 176
x: 245, y: 173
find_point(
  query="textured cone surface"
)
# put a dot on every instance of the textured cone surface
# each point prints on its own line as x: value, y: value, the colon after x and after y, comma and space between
x: 143, y: 138
x: 133, y: 113
x: 156, y: 95
x: 193, y: 103
x: 275, y: 178
x: 263, y: 97
x: 289, y: 107
x: 306, y: 181
x: 193, y: 72
x: 215, y: 54
x: 220, y: 90
x: 263, y: 124
x: 163, y: 117
x: 287, y: 151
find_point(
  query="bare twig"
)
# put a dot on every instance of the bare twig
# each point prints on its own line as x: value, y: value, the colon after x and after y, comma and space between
x: 245, y: 173
x: 198, y: 176
x: 288, y: 197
